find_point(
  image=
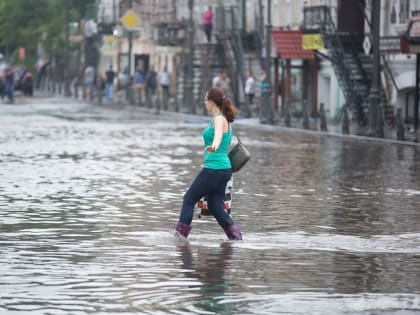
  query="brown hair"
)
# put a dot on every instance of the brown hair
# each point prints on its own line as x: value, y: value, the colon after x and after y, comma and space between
x: 222, y: 102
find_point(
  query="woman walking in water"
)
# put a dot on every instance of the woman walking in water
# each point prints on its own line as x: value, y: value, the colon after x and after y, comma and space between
x: 217, y: 170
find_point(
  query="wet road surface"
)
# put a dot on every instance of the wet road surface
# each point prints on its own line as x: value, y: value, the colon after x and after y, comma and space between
x: 89, y: 198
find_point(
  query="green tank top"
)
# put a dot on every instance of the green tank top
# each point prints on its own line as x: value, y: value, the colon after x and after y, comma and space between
x: 217, y: 160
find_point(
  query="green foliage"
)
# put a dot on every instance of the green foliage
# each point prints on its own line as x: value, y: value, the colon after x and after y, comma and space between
x: 25, y: 23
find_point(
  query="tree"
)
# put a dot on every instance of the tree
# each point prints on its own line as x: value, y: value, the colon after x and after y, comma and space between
x: 28, y: 23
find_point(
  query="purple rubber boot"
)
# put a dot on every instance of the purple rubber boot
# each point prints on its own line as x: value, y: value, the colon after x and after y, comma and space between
x: 233, y: 232
x: 182, y: 229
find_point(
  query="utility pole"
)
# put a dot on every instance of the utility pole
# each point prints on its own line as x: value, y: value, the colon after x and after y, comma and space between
x: 114, y: 11
x: 6, y: 35
x: 243, y: 17
x: 129, y: 89
x: 266, y: 116
x: 67, y: 91
x: 416, y: 95
x: 130, y: 43
x: 261, y: 19
x: 188, y: 91
x: 375, y: 108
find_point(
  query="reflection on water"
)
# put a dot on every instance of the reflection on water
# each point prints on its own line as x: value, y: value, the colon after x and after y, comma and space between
x: 88, y: 207
x: 208, y: 267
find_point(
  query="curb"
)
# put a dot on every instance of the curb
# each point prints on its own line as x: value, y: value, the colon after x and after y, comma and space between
x: 249, y: 122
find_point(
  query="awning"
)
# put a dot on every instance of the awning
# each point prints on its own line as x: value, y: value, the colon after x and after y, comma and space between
x: 289, y: 45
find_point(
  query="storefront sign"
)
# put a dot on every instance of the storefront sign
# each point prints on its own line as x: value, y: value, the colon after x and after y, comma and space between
x: 390, y: 44
x: 312, y: 41
x: 109, y: 44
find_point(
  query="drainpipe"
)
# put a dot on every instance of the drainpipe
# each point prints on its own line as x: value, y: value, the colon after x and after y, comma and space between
x: 67, y: 92
x: 375, y: 108
x: 267, y: 111
x: 189, y: 93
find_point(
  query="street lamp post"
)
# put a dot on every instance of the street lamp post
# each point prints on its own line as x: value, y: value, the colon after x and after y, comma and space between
x: 266, y: 116
x: 188, y: 91
x: 375, y: 111
x: 67, y: 91
x: 7, y: 31
x: 130, y: 42
x: 416, y: 95
x: 129, y: 90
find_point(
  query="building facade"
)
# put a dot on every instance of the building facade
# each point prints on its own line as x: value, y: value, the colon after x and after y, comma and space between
x: 162, y: 34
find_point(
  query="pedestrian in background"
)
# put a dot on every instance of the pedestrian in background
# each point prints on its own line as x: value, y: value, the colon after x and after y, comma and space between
x: 263, y: 81
x: 249, y: 93
x: 42, y: 68
x: 109, y: 85
x: 164, y: 82
x: 3, y: 82
x: 27, y: 84
x: 151, y: 85
x: 208, y: 23
x: 24, y: 81
x: 123, y: 81
x: 100, y: 84
x: 217, y: 170
x: 222, y: 82
x: 10, y: 83
x: 262, y: 85
x: 88, y: 81
x: 138, y: 86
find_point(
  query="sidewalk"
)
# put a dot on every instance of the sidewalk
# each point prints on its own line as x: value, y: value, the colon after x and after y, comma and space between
x: 334, y: 129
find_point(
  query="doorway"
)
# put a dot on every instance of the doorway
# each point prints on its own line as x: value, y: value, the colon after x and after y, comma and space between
x: 141, y: 62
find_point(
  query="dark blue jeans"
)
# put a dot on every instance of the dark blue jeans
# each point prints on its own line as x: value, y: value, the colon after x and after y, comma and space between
x: 10, y: 91
x: 211, y: 183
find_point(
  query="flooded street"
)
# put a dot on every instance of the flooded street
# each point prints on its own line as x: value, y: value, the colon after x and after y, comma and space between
x: 90, y: 196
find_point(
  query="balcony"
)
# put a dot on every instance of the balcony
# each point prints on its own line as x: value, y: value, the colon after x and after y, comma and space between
x: 171, y: 34
x: 164, y: 17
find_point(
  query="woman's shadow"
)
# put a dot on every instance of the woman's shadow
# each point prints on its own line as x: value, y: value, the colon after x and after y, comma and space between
x: 209, y: 266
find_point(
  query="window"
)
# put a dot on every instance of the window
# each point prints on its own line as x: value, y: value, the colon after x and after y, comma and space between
x: 404, y: 15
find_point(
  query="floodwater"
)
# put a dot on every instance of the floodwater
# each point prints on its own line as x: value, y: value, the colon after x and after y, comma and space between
x: 89, y: 198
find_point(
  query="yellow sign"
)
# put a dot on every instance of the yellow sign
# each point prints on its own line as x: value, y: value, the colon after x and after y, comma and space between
x: 109, y: 45
x: 312, y: 41
x: 130, y: 20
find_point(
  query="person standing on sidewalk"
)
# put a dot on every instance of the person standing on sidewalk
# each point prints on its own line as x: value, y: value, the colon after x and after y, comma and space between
x: 138, y: 86
x: 89, y: 81
x: 123, y: 80
x: 263, y: 81
x: 249, y: 92
x: 223, y: 82
x: 165, y: 81
x: 208, y: 23
x: 10, y: 83
x: 109, y: 84
x: 217, y: 170
x: 151, y: 85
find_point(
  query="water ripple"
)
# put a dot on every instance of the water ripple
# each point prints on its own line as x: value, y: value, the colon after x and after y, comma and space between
x: 89, y: 198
